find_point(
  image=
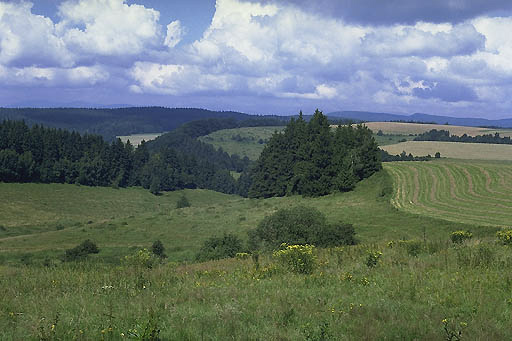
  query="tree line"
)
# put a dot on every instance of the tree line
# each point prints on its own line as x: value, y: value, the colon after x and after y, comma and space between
x: 311, y: 159
x: 444, y: 135
x: 176, y: 160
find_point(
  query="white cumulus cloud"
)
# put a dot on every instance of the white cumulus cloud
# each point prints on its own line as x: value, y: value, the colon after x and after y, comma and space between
x: 108, y: 27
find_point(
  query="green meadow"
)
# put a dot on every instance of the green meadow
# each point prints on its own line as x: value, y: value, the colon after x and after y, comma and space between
x: 405, y: 279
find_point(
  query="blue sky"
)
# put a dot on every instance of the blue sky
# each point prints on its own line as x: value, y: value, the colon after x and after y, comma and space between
x: 449, y: 57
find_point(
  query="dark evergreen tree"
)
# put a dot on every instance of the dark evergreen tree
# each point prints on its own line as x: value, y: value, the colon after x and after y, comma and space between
x: 309, y: 159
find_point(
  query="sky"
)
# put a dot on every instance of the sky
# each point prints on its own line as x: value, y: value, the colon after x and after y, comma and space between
x: 441, y: 57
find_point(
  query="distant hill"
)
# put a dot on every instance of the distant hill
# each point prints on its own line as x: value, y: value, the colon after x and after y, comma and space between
x: 115, y: 122
x: 418, y: 117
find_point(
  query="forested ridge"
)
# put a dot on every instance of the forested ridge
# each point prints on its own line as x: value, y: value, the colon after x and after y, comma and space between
x: 110, y: 123
x: 309, y: 158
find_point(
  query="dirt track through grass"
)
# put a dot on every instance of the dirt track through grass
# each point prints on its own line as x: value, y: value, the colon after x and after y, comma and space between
x: 465, y: 192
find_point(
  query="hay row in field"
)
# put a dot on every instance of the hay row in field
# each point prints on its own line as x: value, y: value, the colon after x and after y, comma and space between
x: 456, y: 150
x: 474, y: 193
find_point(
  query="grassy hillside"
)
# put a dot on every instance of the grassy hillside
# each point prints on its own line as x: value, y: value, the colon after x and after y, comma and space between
x: 469, y: 192
x: 42, y: 221
x: 421, y: 288
x: 469, y: 151
x: 242, y: 141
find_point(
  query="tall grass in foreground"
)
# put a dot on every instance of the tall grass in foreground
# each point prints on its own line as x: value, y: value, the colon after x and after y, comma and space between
x: 415, y: 290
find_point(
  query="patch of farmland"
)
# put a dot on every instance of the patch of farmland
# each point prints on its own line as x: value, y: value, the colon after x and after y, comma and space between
x: 400, y: 128
x: 477, y: 193
x: 457, y: 150
x: 136, y: 139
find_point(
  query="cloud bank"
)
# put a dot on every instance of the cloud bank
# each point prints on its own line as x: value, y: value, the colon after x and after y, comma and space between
x: 440, y: 57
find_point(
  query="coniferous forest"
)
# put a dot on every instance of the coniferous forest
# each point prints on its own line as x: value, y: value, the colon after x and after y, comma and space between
x: 309, y: 158
x: 49, y: 155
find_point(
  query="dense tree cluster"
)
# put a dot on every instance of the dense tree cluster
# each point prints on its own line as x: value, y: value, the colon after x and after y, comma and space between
x: 444, y: 135
x: 177, y: 160
x: 403, y: 156
x: 309, y: 158
x: 39, y: 154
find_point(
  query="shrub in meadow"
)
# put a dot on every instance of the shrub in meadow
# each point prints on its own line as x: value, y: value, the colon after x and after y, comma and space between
x: 459, y: 237
x: 299, y: 225
x: 158, y: 249
x: 81, y: 251
x: 182, y: 202
x: 505, y: 236
x: 372, y: 258
x: 226, y: 246
x: 142, y: 258
x: 297, y: 258
x: 412, y: 247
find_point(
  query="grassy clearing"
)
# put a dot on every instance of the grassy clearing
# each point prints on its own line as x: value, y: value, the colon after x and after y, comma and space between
x: 477, y: 193
x: 136, y: 139
x: 399, y: 128
x: 456, y: 150
x: 248, y: 141
x: 407, y: 295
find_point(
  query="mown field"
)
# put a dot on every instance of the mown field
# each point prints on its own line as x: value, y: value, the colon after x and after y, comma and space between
x: 470, y: 192
x: 399, y: 128
x: 468, y: 151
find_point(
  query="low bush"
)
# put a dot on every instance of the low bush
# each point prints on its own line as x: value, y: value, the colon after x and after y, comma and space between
x: 226, y: 246
x: 182, y: 202
x: 372, y: 258
x: 81, y: 251
x: 142, y: 258
x: 459, y: 237
x: 297, y: 258
x: 412, y: 247
x: 158, y: 249
x: 505, y: 236
x: 299, y: 226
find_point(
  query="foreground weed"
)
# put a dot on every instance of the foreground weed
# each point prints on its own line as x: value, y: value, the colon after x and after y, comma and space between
x: 452, y: 330
x: 459, y: 237
x: 318, y: 332
x: 297, y: 258
x: 505, y: 236
x: 372, y: 258
x: 47, y: 331
x: 147, y: 330
x: 413, y: 247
